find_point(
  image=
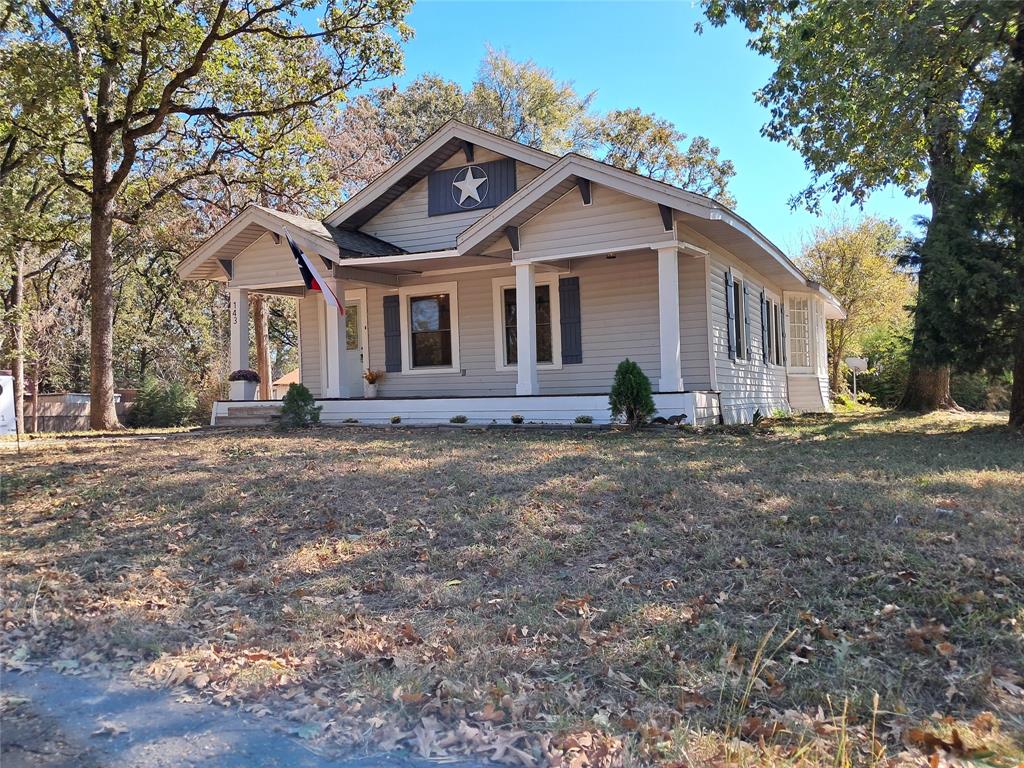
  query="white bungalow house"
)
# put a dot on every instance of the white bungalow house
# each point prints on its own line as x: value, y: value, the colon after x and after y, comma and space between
x: 488, y: 278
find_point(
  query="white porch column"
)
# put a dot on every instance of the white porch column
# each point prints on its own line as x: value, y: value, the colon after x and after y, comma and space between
x: 334, y: 342
x: 668, y: 313
x: 239, y: 309
x: 526, y: 330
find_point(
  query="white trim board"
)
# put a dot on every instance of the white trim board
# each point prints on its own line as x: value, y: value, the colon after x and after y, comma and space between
x: 498, y: 286
x: 701, y: 408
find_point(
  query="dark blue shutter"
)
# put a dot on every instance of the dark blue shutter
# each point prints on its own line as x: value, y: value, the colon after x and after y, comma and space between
x: 746, y: 322
x: 765, y: 345
x: 392, y: 335
x: 730, y: 313
x: 569, y: 315
x: 500, y: 185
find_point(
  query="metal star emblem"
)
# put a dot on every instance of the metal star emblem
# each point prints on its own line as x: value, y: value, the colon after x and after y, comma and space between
x: 468, y: 185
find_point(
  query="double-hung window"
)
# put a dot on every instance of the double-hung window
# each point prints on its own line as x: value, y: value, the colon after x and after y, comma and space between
x: 430, y: 328
x: 506, y: 337
x: 799, y: 332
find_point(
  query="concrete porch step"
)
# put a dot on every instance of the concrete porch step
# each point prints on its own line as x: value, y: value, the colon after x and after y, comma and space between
x: 246, y: 421
x: 253, y: 410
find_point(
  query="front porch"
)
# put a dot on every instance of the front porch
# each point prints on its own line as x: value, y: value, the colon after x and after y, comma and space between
x: 695, y: 408
x: 483, y: 335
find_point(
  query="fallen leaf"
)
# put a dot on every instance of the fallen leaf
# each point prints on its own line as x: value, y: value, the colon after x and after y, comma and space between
x: 109, y: 729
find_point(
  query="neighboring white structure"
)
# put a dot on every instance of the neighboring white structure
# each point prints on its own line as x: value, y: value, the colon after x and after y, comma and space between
x: 488, y: 279
x: 8, y: 423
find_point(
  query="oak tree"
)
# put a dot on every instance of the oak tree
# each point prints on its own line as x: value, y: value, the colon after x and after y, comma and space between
x: 177, y: 89
x: 880, y: 92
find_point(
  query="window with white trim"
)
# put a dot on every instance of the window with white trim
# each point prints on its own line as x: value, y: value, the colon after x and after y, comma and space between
x: 430, y: 328
x: 799, y: 331
x: 549, y: 332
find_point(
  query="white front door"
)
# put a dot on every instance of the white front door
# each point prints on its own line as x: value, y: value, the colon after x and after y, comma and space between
x: 353, y: 384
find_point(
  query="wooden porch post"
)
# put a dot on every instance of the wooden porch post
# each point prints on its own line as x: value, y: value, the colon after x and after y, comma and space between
x: 526, y: 330
x: 333, y: 383
x: 239, y: 337
x: 668, y: 313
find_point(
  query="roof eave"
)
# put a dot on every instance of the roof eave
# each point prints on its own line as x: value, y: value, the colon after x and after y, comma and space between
x: 251, y: 214
x: 679, y: 200
x: 452, y: 129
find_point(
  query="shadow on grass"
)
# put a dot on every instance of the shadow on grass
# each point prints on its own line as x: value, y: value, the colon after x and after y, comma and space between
x: 651, y: 554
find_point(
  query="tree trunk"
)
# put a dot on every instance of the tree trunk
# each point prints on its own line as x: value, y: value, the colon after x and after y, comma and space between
x: 928, y: 381
x: 102, y: 412
x: 1017, y: 142
x: 258, y: 305
x: 1017, y: 394
x: 928, y: 389
x: 19, y: 340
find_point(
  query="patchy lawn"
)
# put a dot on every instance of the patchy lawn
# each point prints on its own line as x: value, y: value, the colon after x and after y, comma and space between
x: 824, y: 591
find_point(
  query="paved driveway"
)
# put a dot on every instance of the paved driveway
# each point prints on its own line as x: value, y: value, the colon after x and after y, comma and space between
x: 57, y: 721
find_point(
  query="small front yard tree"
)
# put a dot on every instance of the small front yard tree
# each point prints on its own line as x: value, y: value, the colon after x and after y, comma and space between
x: 299, y: 408
x: 142, y: 99
x: 631, y: 397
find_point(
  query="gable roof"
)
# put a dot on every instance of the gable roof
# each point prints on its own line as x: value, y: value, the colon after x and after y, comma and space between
x: 450, y: 138
x: 702, y: 214
x: 255, y: 220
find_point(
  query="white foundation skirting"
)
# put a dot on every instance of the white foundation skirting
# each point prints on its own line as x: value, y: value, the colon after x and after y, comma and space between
x: 699, y: 408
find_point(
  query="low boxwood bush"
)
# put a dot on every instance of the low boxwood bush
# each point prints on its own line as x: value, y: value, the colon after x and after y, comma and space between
x: 584, y: 419
x: 298, y: 408
x: 162, y: 404
x: 396, y: 419
x: 631, y: 397
x: 460, y: 419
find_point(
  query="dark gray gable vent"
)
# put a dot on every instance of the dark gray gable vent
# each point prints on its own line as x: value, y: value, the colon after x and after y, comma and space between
x: 497, y: 182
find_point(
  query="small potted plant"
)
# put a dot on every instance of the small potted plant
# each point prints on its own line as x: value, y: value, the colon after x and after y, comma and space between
x: 244, y: 384
x: 370, y: 387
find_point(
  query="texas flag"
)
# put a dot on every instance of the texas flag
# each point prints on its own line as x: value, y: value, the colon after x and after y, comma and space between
x: 312, y: 278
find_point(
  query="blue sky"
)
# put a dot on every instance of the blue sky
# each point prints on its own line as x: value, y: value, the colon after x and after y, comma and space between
x: 645, y: 55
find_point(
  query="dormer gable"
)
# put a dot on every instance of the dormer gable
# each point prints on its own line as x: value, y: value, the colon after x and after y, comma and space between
x: 441, y: 187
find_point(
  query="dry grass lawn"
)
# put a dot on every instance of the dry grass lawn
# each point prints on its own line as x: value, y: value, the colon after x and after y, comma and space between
x: 842, y: 591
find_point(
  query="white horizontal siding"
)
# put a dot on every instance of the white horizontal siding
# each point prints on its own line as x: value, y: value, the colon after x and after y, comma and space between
x: 405, y: 222
x: 264, y: 263
x: 310, y: 343
x: 693, y: 328
x: 614, y: 221
x: 745, y: 385
x: 809, y: 392
x: 619, y: 308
